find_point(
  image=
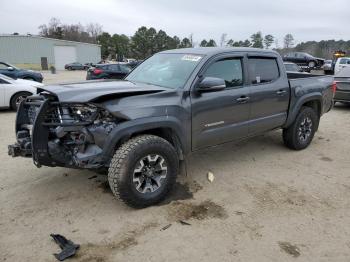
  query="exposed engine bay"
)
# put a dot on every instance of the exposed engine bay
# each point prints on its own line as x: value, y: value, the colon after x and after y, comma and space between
x: 63, y: 134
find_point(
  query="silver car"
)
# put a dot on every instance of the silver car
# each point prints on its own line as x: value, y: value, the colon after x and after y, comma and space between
x: 328, y: 67
x: 342, y: 80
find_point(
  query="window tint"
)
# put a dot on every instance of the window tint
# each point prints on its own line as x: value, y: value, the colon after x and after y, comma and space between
x: 344, y: 61
x: 125, y: 68
x: 228, y: 69
x: 262, y: 70
x: 113, y: 67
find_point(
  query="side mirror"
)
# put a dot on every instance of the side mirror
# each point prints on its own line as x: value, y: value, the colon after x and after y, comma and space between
x: 211, y: 84
x: 10, y: 68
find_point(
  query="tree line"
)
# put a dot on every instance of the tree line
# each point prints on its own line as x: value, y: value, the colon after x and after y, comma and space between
x: 147, y: 41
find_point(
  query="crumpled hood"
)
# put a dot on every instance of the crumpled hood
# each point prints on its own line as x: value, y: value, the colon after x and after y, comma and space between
x: 91, y: 91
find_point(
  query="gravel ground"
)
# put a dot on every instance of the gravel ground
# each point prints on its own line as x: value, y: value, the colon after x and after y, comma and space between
x: 267, y: 203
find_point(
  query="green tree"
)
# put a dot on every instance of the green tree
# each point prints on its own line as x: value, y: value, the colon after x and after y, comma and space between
x: 268, y: 41
x: 211, y: 43
x: 204, y: 43
x: 143, y: 43
x: 257, y: 40
x: 105, y: 40
x: 185, y: 43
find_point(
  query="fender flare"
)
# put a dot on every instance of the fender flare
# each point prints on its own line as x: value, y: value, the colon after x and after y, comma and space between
x: 125, y: 130
x: 299, y: 103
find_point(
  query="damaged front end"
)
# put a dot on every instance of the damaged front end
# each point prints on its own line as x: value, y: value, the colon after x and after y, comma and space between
x: 65, y: 134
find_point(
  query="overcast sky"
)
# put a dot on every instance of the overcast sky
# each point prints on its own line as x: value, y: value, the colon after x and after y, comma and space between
x: 305, y: 19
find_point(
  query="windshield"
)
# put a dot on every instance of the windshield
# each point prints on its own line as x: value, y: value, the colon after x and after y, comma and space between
x: 166, y: 70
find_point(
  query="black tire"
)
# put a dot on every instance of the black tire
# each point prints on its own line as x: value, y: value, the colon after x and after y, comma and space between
x: 69, y: 68
x: 299, y: 135
x: 16, y: 98
x: 127, y: 160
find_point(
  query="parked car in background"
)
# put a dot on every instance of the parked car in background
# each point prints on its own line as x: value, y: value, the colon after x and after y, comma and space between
x: 108, y: 71
x: 14, y: 72
x: 14, y: 91
x: 292, y: 67
x: 341, y: 63
x: 306, y: 61
x: 135, y: 63
x: 342, y: 80
x: 174, y: 103
x: 328, y: 67
x: 76, y: 66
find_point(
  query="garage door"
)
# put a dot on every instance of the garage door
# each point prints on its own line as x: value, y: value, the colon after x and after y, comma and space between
x: 64, y: 55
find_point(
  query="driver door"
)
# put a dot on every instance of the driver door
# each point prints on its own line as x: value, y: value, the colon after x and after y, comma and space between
x: 221, y: 116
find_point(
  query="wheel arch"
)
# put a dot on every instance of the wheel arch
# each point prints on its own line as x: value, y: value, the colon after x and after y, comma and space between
x: 312, y: 100
x: 18, y: 92
x: 169, y: 129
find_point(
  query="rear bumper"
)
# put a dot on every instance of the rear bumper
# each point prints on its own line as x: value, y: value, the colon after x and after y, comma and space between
x: 342, y: 96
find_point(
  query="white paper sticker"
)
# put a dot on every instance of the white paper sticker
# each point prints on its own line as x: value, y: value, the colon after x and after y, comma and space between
x: 193, y: 58
x: 258, y: 79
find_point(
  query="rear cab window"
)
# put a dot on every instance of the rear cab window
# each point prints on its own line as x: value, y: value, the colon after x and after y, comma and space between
x: 263, y: 70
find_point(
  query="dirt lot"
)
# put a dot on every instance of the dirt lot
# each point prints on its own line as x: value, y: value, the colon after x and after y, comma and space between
x: 267, y: 203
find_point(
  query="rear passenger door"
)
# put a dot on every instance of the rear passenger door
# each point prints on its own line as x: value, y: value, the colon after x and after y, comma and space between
x: 115, y: 72
x: 269, y: 93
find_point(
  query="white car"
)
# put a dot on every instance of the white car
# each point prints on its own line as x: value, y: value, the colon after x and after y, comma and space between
x: 341, y: 63
x: 13, y: 91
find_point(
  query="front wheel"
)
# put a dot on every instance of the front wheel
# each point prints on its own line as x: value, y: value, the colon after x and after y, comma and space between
x: 17, y: 99
x: 143, y: 171
x: 299, y: 135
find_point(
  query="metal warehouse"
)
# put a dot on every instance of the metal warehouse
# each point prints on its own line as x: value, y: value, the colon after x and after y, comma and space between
x: 35, y: 52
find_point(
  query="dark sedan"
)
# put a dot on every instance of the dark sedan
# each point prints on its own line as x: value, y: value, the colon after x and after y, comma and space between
x: 304, y: 60
x: 108, y: 71
x: 14, y: 72
x: 342, y: 80
x: 76, y: 66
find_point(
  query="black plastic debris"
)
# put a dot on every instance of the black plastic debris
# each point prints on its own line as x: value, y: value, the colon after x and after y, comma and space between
x: 92, y: 177
x: 184, y: 223
x: 68, y: 247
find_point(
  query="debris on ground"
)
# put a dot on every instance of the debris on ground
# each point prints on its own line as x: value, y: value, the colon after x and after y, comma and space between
x: 289, y: 248
x: 184, y: 223
x: 210, y: 177
x: 239, y: 213
x: 166, y: 227
x: 92, y: 177
x: 68, y: 247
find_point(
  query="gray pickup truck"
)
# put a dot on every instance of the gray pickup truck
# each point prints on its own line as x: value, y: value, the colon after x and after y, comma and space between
x: 174, y: 103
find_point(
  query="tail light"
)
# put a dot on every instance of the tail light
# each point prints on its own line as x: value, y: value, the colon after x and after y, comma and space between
x: 97, y: 71
x: 334, y: 86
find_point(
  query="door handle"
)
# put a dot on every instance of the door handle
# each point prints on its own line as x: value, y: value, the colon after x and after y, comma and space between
x: 281, y: 92
x: 242, y: 99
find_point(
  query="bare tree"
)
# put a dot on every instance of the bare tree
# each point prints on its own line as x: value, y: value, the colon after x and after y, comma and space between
x: 223, y: 39
x: 94, y: 30
x: 288, y: 41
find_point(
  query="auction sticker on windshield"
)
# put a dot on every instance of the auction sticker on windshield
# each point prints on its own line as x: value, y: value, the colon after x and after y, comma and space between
x: 193, y: 58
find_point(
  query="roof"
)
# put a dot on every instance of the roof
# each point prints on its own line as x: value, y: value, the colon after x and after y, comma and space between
x: 216, y: 50
x: 46, y: 38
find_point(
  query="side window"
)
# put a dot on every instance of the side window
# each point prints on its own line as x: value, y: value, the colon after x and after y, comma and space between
x: 113, y: 67
x: 228, y: 69
x: 2, y: 66
x: 263, y: 70
x: 125, y: 68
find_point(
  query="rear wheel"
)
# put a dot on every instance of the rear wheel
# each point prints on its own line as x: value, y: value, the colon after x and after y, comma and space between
x: 143, y: 171
x: 312, y: 64
x: 300, y: 134
x: 17, y: 99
